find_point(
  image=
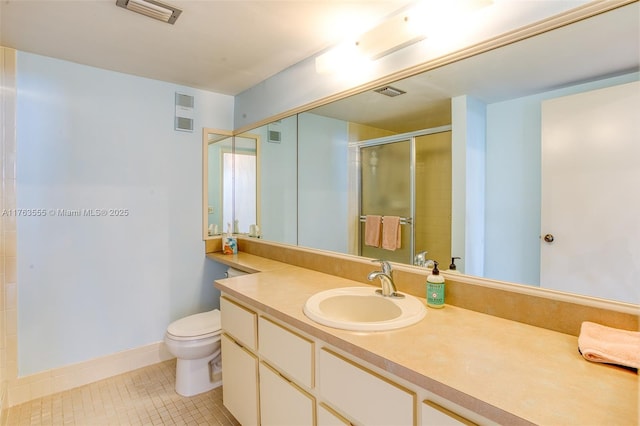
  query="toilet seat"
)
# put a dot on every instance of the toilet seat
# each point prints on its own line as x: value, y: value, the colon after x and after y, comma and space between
x: 198, y: 326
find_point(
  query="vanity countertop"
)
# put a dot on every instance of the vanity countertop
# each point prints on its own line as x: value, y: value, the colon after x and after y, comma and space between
x: 509, y: 372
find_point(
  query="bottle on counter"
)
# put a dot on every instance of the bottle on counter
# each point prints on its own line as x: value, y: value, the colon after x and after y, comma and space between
x: 453, y: 266
x: 435, y: 288
x: 229, y: 243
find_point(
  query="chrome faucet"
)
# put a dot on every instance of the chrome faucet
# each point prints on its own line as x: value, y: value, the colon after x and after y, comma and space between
x: 420, y: 259
x: 386, y: 280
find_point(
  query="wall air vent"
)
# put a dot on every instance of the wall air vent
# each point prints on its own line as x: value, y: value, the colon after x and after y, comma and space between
x: 184, y: 124
x: 273, y: 133
x: 390, y: 91
x: 274, y: 136
x: 184, y: 112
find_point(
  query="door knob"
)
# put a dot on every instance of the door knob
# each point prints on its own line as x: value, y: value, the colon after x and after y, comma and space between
x: 548, y: 238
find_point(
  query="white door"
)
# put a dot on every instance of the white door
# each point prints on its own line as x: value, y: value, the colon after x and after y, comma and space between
x: 591, y: 193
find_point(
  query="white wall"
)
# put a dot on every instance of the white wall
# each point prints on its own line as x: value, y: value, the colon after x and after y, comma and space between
x: 94, y: 139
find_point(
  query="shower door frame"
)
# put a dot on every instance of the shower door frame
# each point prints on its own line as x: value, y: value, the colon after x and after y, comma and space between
x: 402, y: 137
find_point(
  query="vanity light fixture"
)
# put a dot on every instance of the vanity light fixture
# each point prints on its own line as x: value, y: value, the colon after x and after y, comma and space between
x: 152, y: 8
x: 399, y: 31
x: 387, y: 37
x: 391, y: 35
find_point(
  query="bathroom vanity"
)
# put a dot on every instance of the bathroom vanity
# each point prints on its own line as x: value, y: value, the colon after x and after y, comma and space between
x: 455, y: 366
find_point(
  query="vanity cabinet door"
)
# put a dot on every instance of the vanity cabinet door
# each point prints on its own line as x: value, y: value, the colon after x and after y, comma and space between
x: 436, y: 415
x: 282, y: 402
x: 240, y: 388
x: 328, y: 417
x: 362, y: 395
x: 239, y: 322
x: 289, y: 352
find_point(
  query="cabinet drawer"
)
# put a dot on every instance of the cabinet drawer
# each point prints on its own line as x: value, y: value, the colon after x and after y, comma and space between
x: 239, y: 322
x: 282, y: 402
x: 290, y: 353
x: 240, y: 390
x: 328, y: 417
x: 436, y: 415
x: 362, y: 395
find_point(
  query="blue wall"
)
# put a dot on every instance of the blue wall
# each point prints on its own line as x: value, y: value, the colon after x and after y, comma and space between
x: 279, y: 182
x: 323, y: 183
x: 94, y: 139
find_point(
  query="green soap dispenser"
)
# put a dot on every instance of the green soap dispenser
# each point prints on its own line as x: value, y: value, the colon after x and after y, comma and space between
x: 435, y: 288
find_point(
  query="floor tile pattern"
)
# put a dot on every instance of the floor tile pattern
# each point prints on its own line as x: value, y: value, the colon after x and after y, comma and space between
x: 141, y: 397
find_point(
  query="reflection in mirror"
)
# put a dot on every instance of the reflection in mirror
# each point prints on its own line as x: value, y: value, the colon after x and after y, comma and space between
x: 386, y: 177
x: 494, y: 103
x: 216, y: 144
x: 231, y: 192
x: 244, y: 193
x: 409, y: 177
x: 277, y: 174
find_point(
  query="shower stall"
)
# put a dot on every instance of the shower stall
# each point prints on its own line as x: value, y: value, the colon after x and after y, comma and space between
x: 409, y: 176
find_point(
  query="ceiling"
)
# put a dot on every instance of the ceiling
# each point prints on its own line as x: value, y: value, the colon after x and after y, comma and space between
x: 602, y: 46
x: 220, y: 46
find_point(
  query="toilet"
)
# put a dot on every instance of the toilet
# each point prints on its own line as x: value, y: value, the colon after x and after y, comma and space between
x: 195, y: 342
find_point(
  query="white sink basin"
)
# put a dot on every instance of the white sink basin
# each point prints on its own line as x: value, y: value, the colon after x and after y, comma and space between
x: 361, y: 309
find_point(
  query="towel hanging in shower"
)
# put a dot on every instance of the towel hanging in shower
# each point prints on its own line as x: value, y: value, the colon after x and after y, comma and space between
x: 372, y: 230
x: 391, y: 236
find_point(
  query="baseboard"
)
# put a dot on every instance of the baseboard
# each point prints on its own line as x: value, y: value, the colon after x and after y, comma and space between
x: 24, y: 389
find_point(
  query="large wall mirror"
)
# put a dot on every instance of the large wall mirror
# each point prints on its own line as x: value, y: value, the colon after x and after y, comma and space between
x: 231, y: 189
x: 471, y: 140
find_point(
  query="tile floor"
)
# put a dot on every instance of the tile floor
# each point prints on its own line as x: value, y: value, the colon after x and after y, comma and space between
x: 141, y: 397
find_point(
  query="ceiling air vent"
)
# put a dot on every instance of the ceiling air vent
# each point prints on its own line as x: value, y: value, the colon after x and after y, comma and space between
x: 152, y: 8
x: 390, y: 91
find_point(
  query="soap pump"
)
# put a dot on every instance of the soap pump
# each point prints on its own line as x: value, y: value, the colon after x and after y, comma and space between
x: 452, y: 267
x: 435, y: 288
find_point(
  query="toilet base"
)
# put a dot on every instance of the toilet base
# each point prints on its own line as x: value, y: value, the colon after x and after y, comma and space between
x: 195, y: 376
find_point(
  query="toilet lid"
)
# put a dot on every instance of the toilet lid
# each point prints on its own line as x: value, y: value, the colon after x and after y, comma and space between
x: 196, y: 325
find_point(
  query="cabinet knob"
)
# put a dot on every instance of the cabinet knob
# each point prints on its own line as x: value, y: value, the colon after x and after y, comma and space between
x: 548, y: 238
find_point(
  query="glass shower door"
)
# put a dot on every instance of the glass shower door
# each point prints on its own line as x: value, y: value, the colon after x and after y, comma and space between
x: 385, y: 190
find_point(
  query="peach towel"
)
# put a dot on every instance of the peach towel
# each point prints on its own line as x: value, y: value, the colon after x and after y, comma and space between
x: 372, y: 230
x: 391, y: 236
x: 599, y: 343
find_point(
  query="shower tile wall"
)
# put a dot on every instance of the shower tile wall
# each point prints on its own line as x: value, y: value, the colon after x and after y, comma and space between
x: 433, y: 197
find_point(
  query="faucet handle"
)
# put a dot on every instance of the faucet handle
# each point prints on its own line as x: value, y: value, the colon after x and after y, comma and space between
x: 386, y: 266
x: 420, y: 258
